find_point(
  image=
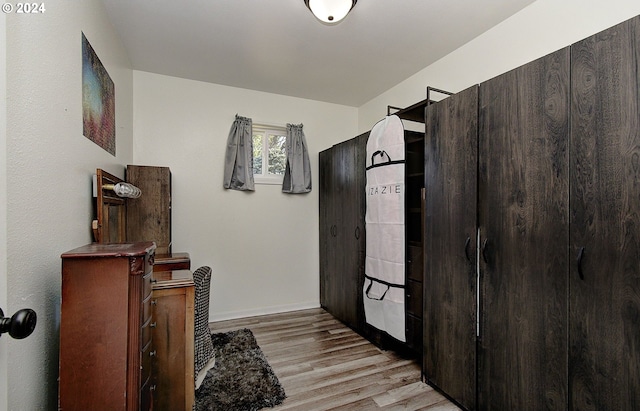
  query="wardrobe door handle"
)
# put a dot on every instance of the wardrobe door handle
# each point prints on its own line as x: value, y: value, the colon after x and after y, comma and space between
x: 484, y: 250
x: 466, y: 248
x: 579, y: 261
x: 357, y: 233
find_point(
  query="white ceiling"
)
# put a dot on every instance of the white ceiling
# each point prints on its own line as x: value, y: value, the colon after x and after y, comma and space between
x: 277, y: 46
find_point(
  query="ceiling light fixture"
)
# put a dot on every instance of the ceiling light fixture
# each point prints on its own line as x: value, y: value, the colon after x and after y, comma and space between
x: 330, y: 11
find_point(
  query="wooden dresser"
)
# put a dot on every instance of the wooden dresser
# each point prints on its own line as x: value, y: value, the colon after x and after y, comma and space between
x: 106, y: 349
x: 171, y: 303
x: 173, y: 339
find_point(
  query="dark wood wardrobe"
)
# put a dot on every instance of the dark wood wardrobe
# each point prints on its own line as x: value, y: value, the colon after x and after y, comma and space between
x: 604, y: 247
x: 342, y: 207
x: 450, y: 283
x: 342, y: 241
x: 532, y: 238
x: 529, y: 233
x: 523, y: 221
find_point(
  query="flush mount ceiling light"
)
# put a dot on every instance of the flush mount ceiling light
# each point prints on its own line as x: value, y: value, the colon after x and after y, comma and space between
x: 330, y: 11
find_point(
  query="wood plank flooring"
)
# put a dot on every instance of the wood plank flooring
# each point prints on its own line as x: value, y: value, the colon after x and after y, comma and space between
x: 324, y: 365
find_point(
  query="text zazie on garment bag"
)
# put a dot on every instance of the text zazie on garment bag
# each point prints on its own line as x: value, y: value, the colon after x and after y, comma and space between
x: 384, y: 221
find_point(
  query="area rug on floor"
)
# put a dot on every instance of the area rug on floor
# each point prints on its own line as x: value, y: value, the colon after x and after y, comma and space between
x: 242, y: 379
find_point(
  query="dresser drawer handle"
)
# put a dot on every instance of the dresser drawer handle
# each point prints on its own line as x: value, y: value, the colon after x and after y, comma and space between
x: 153, y: 387
x: 154, y: 302
x: 152, y: 353
x: 153, y: 324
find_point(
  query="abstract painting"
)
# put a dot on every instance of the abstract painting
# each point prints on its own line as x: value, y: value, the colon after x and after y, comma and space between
x: 98, y: 100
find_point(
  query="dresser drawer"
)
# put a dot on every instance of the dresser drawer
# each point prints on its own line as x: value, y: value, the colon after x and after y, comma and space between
x: 147, y: 332
x: 148, y: 358
x: 146, y: 309
x: 146, y: 395
x: 146, y: 285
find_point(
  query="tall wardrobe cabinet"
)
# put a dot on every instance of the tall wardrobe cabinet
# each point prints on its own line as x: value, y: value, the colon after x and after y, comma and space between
x: 496, y: 171
x: 342, y: 171
x: 523, y: 223
x: 532, y: 265
x: 604, y: 280
x: 451, y: 162
x: 342, y: 207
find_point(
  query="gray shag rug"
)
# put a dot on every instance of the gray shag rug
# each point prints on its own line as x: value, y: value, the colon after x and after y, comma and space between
x: 242, y: 379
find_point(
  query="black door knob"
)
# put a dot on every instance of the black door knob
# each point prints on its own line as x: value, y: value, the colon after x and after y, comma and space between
x: 20, y: 325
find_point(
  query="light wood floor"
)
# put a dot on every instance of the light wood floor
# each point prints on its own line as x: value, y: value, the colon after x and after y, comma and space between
x: 324, y: 365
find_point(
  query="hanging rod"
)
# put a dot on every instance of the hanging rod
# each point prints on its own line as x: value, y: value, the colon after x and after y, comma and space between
x: 435, y: 90
x: 415, y: 112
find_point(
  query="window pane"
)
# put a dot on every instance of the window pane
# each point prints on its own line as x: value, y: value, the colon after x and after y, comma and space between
x: 257, y: 154
x: 277, y: 154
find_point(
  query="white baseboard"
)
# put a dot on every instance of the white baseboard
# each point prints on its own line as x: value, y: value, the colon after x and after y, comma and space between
x: 233, y: 315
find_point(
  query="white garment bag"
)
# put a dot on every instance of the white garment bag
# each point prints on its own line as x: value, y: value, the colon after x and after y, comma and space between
x: 384, y: 221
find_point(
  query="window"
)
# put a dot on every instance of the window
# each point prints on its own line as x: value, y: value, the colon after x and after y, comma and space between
x: 269, y: 168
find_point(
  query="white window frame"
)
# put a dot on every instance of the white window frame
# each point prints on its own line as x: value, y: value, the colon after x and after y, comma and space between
x: 265, y: 130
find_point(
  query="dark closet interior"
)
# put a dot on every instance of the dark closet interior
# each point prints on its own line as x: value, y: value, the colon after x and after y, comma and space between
x: 525, y: 241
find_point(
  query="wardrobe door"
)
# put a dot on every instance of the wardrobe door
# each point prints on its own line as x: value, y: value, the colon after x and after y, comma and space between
x: 327, y: 227
x: 604, y: 349
x: 341, y: 170
x: 523, y: 220
x: 351, y: 233
x: 332, y: 186
x: 337, y: 253
x: 359, y: 208
x: 451, y: 150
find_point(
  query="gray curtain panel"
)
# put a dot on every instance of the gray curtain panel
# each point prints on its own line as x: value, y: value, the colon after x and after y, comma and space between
x: 238, y: 161
x: 297, y: 175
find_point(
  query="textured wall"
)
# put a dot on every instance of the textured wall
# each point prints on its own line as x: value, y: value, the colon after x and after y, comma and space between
x: 262, y: 246
x: 49, y: 168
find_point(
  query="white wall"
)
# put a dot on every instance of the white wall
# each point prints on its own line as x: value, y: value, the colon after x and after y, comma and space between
x: 49, y: 167
x: 539, y: 29
x: 262, y: 246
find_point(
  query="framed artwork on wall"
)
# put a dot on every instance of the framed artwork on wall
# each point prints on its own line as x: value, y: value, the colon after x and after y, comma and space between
x: 98, y: 100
